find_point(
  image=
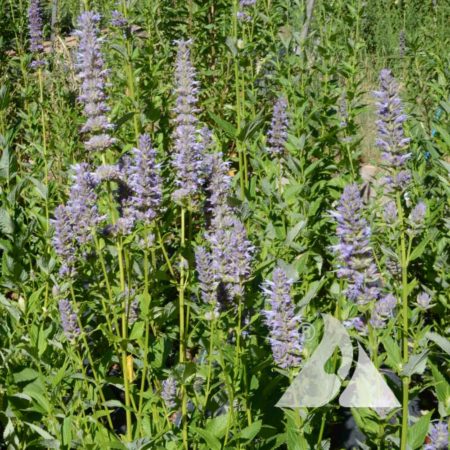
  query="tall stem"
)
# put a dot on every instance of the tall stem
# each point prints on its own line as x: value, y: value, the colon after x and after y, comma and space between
x: 130, y: 77
x: 404, y: 316
x: 126, y: 380
x: 44, y: 142
x: 239, y: 147
x: 182, y: 356
x: 89, y: 355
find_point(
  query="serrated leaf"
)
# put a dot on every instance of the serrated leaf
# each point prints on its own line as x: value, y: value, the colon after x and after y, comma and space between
x: 6, y: 223
x: 416, y: 364
x: 218, y: 425
x: 394, y: 356
x: 25, y: 375
x: 138, y: 330
x: 439, y: 340
x: 226, y: 126
x: 250, y: 432
x: 40, y: 431
x: 418, y: 431
x: 209, y: 438
x: 312, y: 291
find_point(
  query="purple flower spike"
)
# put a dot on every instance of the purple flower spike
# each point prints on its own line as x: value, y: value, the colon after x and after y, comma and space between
x: 438, y: 436
x: 218, y: 182
x: 144, y: 181
x: 82, y: 204
x: 35, y: 26
x: 242, y: 14
x: 356, y: 263
x: 207, y: 277
x: 92, y: 74
x: 282, y: 321
x: 169, y: 393
x: 75, y: 222
x: 278, y: 130
x: 64, y: 241
x: 118, y: 20
x: 417, y: 215
x: 189, y: 142
x: 69, y: 319
x: 391, y: 137
x: 231, y: 251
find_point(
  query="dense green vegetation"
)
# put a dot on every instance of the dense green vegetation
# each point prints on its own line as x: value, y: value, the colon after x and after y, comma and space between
x: 142, y: 314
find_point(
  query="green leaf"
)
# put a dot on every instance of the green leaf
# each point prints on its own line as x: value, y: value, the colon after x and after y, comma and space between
x: 251, y: 431
x: 416, y: 364
x: 41, y: 188
x: 6, y: 223
x: 312, y: 291
x: 394, y: 356
x: 229, y: 128
x: 439, y: 340
x: 442, y: 389
x: 67, y: 431
x: 218, y: 425
x: 209, y: 438
x: 138, y: 330
x: 418, y: 432
x: 40, y: 431
x: 294, y: 231
x: 25, y: 375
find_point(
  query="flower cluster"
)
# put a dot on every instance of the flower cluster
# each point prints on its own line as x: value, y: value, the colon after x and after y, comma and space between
x: 189, y: 141
x: 383, y: 310
x: 282, y: 321
x: 92, y: 74
x: 69, y: 319
x: 438, y: 437
x: 278, y: 130
x: 225, y: 268
x: 218, y: 181
x: 75, y: 221
x: 35, y: 31
x: 144, y: 182
x: 242, y: 14
x: 391, y: 137
x: 356, y: 263
x: 169, y: 393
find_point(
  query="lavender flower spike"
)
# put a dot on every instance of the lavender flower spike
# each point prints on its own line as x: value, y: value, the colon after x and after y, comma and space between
x: 92, y: 74
x: 231, y: 251
x: 356, y: 263
x: 82, y: 205
x: 391, y: 137
x: 188, y: 142
x: 169, y: 393
x: 35, y: 26
x: 207, y: 277
x: 64, y: 241
x: 218, y: 182
x: 69, y: 319
x: 144, y: 181
x: 282, y: 321
x: 278, y: 130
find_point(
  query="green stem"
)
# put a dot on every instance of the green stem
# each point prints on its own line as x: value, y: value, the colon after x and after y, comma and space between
x: 239, y: 148
x: 89, y: 356
x: 405, y: 331
x: 181, y: 306
x: 126, y: 381
x: 130, y: 77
